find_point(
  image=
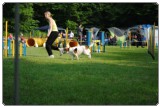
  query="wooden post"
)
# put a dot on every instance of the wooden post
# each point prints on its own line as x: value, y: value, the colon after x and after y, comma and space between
x: 66, y: 34
x: 66, y: 40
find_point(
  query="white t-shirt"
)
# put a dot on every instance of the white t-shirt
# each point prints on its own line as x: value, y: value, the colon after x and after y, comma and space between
x: 71, y: 34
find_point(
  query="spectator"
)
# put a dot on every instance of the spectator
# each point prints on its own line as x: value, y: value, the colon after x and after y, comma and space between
x: 71, y: 35
x: 143, y: 40
x: 63, y: 34
x: 80, y: 32
x: 114, y: 40
x: 22, y: 39
x: 84, y: 32
x: 60, y: 34
x: 139, y: 37
x: 109, y: 40
x: 10, y: 36
x: 92, y: 34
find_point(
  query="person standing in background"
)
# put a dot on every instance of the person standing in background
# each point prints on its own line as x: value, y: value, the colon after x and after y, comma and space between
x: 80, y: 32
x: 71, y: 35
x: 139, y: 36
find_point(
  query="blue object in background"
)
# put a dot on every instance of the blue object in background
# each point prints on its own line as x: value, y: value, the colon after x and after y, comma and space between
x: 24, y: 49
x: 102, y: 38
x: 9, y: 47
x: 88, y: 38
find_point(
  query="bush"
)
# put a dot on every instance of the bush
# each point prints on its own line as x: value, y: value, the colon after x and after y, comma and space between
x: 71, y: 25
x: 38, y: 33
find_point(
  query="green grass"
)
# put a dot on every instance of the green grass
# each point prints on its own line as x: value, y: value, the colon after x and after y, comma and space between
x: 121, y: 76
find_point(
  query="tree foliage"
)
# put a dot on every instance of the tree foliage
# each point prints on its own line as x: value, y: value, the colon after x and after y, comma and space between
x: 27, y: 22
x: 101, y: 15
x: 71, y: 25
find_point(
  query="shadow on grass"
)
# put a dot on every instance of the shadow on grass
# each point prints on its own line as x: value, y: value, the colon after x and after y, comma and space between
x: 126, y: 54
x: 36, y: 55
x: 88, y: 82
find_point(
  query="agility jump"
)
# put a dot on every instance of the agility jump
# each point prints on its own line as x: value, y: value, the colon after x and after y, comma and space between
x: 99, y: 45
x: 9, y: 45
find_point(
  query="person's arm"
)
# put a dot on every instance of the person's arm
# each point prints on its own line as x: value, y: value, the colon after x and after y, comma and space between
x: 50, y: 27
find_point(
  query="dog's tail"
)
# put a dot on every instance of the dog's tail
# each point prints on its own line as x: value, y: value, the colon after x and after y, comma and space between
x: 91, y: 44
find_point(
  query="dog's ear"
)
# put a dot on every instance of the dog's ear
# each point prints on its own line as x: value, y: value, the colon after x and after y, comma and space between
x: 73, y: 43
x: 91, y: 44
x: 75, y: 50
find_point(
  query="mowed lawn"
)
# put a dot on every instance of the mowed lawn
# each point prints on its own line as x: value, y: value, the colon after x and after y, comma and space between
x: 120, y: 76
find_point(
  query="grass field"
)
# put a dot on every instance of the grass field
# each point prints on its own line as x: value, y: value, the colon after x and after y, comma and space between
x: 121, y: 76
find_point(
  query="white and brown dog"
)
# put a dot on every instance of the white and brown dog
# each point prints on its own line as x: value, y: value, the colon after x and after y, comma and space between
x: 75, y: 50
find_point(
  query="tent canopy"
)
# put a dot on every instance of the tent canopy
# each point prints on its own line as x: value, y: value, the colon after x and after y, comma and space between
x: 116, y: 31
x: 95, y: 31
x: 135, y: 28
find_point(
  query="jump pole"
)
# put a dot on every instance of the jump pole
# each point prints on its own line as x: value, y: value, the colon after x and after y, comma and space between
x: 88, y: 38
x: 102, y: 40
x: 6, y: 47
x: 9, y: 47
x: 66, y: 34
x: 66, y: 39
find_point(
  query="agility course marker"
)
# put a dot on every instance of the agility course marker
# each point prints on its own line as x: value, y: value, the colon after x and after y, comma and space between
x: 88, y: 38
x: 37, y: 42
x: 121, y: 44
x: 102, y: 41
x: 11, y: 48
x: 99, y: 45
x: 9, y: 45
x: 66, y: 33
x: 6, y: 47
x: 124, y: 44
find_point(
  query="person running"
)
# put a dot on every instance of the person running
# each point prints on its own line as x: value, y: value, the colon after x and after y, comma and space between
x: 52, y: 34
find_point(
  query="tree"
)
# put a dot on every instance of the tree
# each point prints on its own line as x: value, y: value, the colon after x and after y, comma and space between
x: 27, y: 23
x: 100, y: 15
x: 71, y: 25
